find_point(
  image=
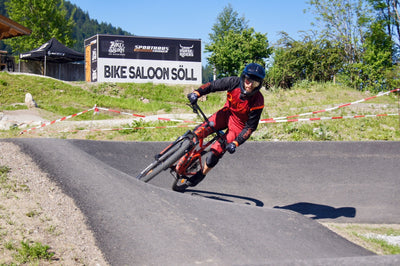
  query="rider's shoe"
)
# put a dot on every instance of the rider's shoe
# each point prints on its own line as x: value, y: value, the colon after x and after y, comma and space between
x: 195, y: 179
x: 180, y: 185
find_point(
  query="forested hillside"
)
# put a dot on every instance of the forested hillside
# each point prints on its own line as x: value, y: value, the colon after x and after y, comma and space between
x: 85, y: 26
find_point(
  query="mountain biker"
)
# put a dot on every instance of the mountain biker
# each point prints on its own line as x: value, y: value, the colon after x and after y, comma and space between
x: 240, y: 115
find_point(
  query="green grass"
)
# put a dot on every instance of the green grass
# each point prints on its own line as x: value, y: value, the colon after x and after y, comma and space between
x: 31, y: 252
x: 66, y: 98
x: 388, y: 249
x: 62, y: 99
x: 359, y: 234
x: 4, y: 170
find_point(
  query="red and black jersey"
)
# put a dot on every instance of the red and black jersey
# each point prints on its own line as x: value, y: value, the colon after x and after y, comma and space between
x: 244, y: 113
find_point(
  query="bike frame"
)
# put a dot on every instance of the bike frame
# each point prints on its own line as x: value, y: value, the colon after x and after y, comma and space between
x: 198, y: 149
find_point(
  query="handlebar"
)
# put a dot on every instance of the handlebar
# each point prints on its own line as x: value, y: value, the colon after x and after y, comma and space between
x: 196, y: 109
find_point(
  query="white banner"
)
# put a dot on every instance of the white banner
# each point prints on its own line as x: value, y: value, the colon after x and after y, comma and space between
x: 143, y: 71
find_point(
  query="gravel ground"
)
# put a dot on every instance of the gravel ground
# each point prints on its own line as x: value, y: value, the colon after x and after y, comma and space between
x: 34, y: 209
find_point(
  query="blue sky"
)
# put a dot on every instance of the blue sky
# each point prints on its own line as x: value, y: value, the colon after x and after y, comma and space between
x: 194, y: 19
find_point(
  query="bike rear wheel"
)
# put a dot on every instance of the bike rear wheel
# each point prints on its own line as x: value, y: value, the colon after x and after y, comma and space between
x: 165, y: 161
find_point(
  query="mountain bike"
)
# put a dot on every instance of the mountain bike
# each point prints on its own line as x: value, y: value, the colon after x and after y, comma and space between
x: 184, y: 156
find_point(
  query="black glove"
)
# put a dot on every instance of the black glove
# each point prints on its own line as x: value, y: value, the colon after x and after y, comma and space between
x: 193, y: 97
x: 231, y: 147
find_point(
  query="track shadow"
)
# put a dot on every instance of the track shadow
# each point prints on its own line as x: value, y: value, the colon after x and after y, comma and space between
x: 226, y: 197
x: 318, y: 211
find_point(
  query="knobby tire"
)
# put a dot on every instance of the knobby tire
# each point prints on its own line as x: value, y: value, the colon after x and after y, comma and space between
x: 194, y: 167
x: 165, y: 161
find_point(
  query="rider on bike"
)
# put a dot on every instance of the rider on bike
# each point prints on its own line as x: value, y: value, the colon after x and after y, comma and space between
x: 240, y: 114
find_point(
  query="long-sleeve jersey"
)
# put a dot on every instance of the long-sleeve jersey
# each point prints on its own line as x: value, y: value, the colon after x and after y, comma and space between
x: 245, y: 113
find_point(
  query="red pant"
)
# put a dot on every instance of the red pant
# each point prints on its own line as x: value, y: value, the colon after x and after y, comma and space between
x: 222, y: 120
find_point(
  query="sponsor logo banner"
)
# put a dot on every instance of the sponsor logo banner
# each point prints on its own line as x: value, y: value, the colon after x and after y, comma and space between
x: 148, y: 48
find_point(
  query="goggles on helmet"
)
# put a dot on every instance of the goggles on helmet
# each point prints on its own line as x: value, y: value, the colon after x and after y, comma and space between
x: 254, y: 82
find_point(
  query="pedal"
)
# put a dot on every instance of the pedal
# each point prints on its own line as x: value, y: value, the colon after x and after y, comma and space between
x: 174, y: 174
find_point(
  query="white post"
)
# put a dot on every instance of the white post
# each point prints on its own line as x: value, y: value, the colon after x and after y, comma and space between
x: 45, y: 57
x: 214, y: 73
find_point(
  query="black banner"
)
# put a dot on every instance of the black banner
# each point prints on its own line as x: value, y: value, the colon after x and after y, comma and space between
x: 149, y: 48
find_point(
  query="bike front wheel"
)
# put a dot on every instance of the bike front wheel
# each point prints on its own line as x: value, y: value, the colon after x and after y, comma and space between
x: 165, y: 161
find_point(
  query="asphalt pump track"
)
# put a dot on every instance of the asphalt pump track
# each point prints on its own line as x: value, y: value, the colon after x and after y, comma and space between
x: 260, y: 206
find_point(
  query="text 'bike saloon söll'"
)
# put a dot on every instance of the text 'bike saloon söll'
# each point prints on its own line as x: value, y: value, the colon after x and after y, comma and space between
x: 160, y: 73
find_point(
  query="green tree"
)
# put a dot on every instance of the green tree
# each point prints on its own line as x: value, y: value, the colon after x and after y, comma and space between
x: 86, y: 27
x: 46, y: 19
x: 233, y: 44
x: 376, y: 63
x: 232, y: 52
x: 344, y: 22
x: 313, y: 60
x: 388, y: 16
x: 227, y: 20
x: 208, y: 73
x: 365, y: 29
